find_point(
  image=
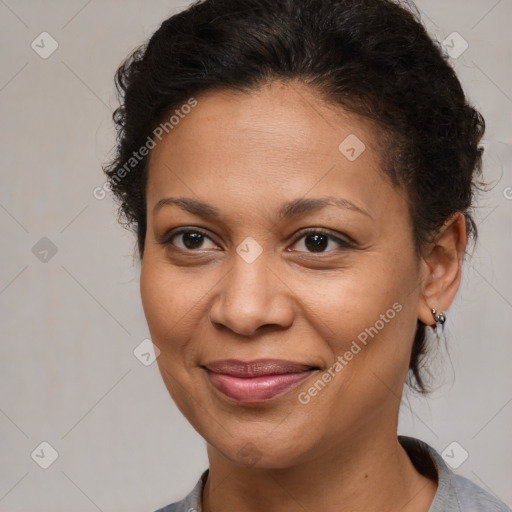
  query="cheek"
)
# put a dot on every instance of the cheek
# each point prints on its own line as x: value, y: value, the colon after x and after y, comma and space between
x: 164, y: 302
x: 353, y: 301
x: 368, y: 317
x: 169, y: 314
x: 174, y: 300
x: 157, y: 300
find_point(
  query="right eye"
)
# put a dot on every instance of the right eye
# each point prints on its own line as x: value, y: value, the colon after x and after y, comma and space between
x: 189, y: 240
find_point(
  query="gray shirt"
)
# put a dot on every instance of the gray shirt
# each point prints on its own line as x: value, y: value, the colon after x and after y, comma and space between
x: 454, y: 492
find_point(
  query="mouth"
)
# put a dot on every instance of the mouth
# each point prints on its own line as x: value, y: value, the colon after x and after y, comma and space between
x: 257, y: 381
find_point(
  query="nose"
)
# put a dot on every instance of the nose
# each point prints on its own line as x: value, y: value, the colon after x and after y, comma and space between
x: 252, y: 297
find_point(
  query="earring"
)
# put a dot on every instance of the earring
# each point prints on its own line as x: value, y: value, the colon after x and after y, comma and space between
x: 440, y: 319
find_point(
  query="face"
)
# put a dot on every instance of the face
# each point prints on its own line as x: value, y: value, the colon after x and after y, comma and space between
x: 279, y: 278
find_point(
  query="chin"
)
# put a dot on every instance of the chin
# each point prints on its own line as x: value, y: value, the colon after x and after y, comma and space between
x: 262, y: 451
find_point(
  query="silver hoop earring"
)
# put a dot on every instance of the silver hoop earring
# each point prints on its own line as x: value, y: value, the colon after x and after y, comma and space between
x: 440, y: 319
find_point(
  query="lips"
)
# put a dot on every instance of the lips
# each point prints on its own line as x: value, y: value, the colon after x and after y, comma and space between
x: 256, y: 381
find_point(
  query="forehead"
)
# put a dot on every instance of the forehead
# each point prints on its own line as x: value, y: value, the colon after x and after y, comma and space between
x: 280, y: 139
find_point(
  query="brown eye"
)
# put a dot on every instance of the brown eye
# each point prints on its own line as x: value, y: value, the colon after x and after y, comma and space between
x: 318, y: 241
x: 189, y: 240
x: 192, y: 240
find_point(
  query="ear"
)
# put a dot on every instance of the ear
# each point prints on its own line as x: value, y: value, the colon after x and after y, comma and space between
x: 442, y: 268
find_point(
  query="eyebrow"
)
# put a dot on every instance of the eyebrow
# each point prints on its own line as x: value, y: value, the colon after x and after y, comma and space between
x: 290, y: 209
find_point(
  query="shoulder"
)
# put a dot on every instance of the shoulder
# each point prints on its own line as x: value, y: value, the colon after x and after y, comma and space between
x: 191, y: 502
x: 472, y: 498
x: 455, y: 493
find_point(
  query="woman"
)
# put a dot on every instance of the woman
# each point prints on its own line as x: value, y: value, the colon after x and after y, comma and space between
x: 300, y: 177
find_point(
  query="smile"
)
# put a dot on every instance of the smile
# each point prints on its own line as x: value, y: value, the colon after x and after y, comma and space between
x: 256, y: 381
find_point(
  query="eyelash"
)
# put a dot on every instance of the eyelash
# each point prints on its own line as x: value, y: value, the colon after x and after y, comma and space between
x: 168, y: 237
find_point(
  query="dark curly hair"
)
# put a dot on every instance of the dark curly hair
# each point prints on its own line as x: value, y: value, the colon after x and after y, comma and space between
x: 372, y: 57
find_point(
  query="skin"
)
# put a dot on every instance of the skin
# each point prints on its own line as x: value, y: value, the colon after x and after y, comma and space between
x: 246, y: 154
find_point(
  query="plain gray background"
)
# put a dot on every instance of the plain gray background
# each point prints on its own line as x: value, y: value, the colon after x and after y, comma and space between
x: 70, y: 321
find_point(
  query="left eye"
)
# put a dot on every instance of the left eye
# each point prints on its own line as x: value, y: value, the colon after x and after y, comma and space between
x: 319, y: 241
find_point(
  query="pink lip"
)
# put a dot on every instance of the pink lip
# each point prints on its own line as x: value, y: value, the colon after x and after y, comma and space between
x: 256, y: 381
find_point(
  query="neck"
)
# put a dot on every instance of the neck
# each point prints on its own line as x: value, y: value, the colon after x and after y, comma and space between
x: 365, y: 473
